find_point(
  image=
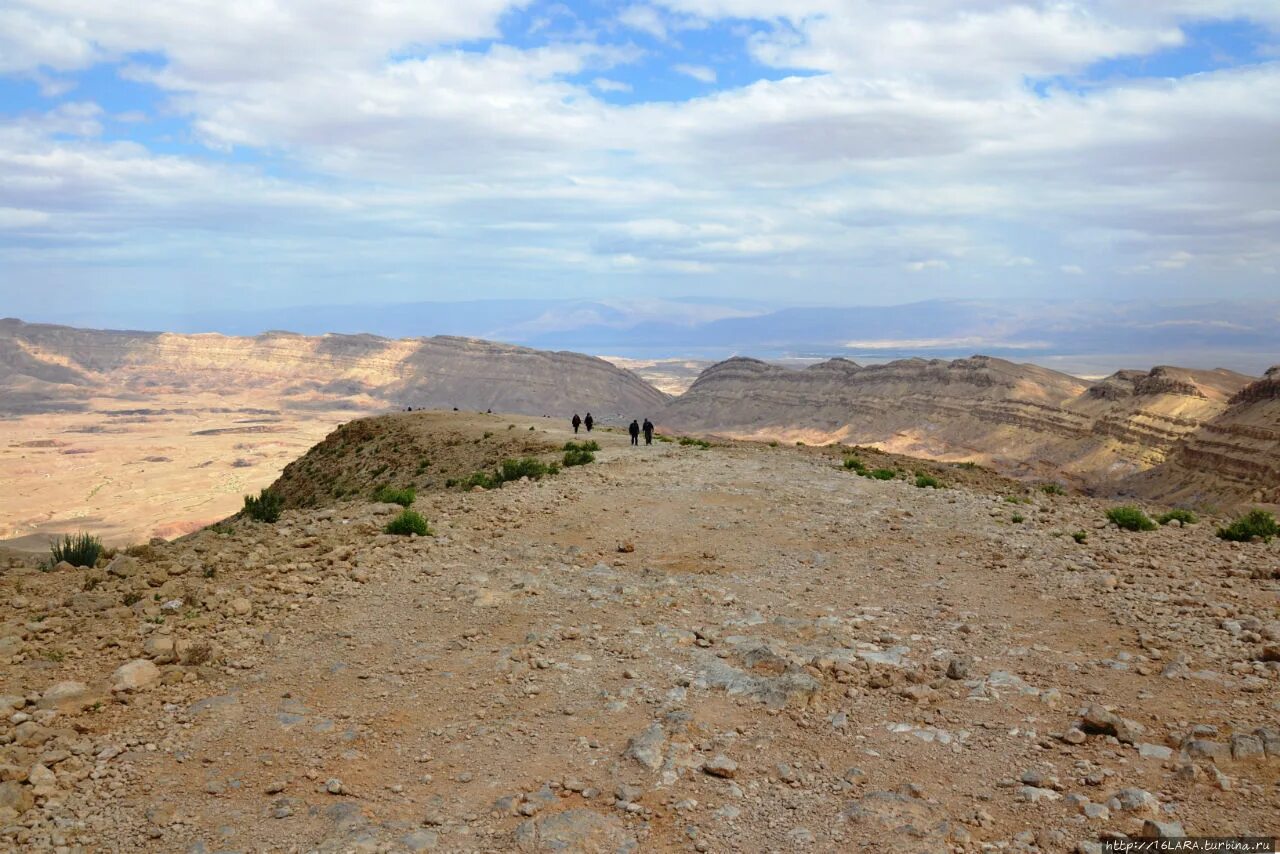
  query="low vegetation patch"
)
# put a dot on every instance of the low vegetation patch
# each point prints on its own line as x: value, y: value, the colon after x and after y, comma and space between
x: 701, y: 444
x: 529, y: 467
x: 265, y: 507
x: 857, y: 466
x: 1052, y: 489
x: 927, y: 481
x: 391, y: 495
x: 579, y: 455
x: 408, y: 522
x: 1255, y: 523
x: 1186, y: 517
x: 884, y: 474
x: 1017, y: 518
x: 589, y: 445
x: 1080, y: 536
x: 78, y: 550
x: 1130, y: 518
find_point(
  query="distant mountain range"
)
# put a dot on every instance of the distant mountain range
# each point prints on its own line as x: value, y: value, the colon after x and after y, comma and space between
x: 1206, y: 436
x: 1077, y: 337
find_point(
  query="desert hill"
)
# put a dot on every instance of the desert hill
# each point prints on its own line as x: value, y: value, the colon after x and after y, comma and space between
x: 1025, y: 420
x: 1232, y: 456
x: 51, y: 368
x: 136, y: 434
x: 672, y: 648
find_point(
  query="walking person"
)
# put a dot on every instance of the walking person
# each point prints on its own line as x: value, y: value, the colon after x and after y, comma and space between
x: 576, y: 422
x: 589, y: 421
x: 634, y: 430
x: 648, y: 431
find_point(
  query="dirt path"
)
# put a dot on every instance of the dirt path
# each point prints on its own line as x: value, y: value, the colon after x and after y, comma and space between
x: 735, y: 649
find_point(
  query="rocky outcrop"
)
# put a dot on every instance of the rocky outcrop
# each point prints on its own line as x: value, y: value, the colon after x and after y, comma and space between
x: 50, y: 368
x: 1231, y: 457
x: 1025, y: 420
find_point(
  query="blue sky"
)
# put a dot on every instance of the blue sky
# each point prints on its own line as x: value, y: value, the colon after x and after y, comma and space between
x: 199, y: 153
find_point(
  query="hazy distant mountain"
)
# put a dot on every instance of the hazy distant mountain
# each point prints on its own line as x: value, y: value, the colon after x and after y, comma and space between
x: 1078, y: 337
x: 46, y: 368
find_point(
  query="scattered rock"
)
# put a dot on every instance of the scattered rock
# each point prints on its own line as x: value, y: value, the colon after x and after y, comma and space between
x: 134, y: 675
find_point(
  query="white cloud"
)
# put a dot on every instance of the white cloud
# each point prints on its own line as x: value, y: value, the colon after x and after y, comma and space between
x: 929, y: 264
x: 645, y: 19
x: 702, y: 73
x: 918, y: 148
x: 604, y: 84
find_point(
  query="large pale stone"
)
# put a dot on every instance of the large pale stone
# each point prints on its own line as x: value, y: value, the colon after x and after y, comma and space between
x: 66, y: 696
x: 134, y: 675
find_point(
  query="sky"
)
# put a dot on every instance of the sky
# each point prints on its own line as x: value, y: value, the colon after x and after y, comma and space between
x: 194, y: 155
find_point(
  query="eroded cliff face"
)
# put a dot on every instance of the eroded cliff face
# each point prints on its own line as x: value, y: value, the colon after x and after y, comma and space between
x: 1025, y: 420
x: 1231, y: 457
x: 49, y: 368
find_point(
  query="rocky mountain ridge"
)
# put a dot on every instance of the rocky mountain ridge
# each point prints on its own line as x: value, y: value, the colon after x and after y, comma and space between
x: 1163, y: 433
x: 52, y: 368
x: 673, y: 648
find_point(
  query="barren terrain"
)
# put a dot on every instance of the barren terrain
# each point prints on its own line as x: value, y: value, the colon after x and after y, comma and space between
x: 129, y: 470
x: 739, y: 648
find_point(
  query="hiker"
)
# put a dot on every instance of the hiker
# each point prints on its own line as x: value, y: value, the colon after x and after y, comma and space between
x: 589, y: 421
x: 576, y: 422
x: 634, y: 430
x: 648, y: 431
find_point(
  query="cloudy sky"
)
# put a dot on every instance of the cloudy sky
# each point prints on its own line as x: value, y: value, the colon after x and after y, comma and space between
x: 194, y: 154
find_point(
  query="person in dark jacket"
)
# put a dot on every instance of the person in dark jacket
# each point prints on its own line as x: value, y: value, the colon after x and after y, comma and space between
x: 589, y: 421
x: 634, y: 430
x: 575, y: 422
x: 648, y: 431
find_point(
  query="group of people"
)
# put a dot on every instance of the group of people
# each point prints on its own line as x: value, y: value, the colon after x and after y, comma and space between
x: 635, y: 429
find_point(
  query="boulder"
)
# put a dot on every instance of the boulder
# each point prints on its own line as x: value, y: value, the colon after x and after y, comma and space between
x: 68, y: 696
x: 134, y: 675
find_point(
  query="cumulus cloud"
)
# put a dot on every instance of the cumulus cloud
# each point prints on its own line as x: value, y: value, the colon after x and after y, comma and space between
x: 887, y: 139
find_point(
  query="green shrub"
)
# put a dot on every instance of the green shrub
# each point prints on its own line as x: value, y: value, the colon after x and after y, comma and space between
x: 390, y: 495
x: 1017, y: 518
x: 79, y: 550
x: 524, y: 467
x: 1052, y: 489
x: 968, y: 464
x: 856, y: 466
x: 591, y: 445
x: 884, y: 474
x: 1016, y: 499
x: 702, y: 444
x: 486, y: 479
x: 408, y: 522
x: 266, y: 507
x: 578, y: 457
x: 1080, y: 536
x: 529, y: 467
x: 1130, y: 519
x: 1186, y: 517
x: 1255, y: 523
x: 929, y: 481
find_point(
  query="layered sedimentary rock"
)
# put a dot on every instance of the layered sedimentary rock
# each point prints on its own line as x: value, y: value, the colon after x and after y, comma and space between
x: 1232, y: 456
x: 50, y: 368
x: 1023, y: 419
